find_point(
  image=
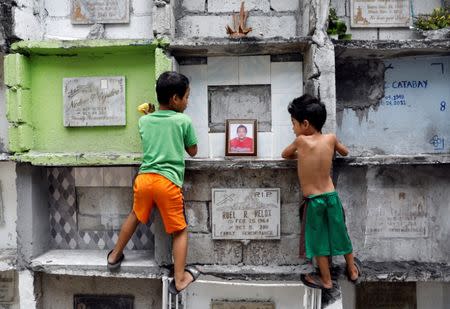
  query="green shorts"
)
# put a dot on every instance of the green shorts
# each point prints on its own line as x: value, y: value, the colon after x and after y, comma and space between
x: 325, y: 230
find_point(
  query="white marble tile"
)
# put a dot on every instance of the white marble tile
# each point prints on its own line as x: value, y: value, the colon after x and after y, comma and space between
x: 198, y: 78
x: 203, y: 142
x: 265, y: 144
x: 223, y: 71
x: 197, y: 107
x: 280, y: 114
x: 118, y: 176
x: 286, y: 77
x: 175, y: 65
x: 254, y: 70
x: 89, y: 176
x: 216, y: 145
x: 283, y: 136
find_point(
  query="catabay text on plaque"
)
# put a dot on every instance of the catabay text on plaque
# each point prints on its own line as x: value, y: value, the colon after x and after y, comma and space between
x: 246, y: 213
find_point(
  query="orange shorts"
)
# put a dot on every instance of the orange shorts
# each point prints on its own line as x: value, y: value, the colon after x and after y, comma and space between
x: 150, y: 189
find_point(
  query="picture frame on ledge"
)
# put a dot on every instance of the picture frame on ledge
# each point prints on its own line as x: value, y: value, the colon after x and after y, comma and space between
x: 241, y: 137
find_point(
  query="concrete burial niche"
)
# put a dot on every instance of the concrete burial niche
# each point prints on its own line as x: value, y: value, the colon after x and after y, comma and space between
x: 243, y: 87
x: 396, y: 106
x: 50, y: 83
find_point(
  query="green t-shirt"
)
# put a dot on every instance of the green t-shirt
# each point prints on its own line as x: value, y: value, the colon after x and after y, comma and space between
x: 165, y: 134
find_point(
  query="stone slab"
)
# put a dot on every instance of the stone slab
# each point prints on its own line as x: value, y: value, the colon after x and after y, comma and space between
x: 94, y: 101
x: 100, y: 11
x: 241, y: 305
x: 380, y: 13
x: 239, y: 102
x: 7, y: 286
x: 246, y: 213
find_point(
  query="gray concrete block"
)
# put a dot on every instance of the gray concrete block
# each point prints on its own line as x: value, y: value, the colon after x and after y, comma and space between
x: 214, y: 26
x: 425, y: 7
x: 284, y: 5
x: 398, y: 34
x: 197, y: 216
x: 278, y: 252
x: 290, y: 218
x: 204, y: 250
x: 216, y: 6
x: 341, y: 7
x: 194, y: 5
x: 404, y: 197
x: 198, y: 184
x: 239, y: 102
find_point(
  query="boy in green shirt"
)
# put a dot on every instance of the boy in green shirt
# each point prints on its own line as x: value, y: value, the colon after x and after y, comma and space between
x: 165, y: 135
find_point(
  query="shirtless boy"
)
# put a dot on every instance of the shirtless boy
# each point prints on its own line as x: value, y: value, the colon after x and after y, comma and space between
x: 325, y: 231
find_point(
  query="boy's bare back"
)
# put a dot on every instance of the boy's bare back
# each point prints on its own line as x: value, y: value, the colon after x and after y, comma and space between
x: 315, y: 155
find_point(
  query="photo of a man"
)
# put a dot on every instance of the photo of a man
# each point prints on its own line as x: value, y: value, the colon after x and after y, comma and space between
x: 241, y: 143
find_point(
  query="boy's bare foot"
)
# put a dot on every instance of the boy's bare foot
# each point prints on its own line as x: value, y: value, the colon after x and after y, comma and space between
x: 113, y: 260
x: 353, y: 272
x: 182, y: 284
x: 190, y: 275
x: 315, y: 281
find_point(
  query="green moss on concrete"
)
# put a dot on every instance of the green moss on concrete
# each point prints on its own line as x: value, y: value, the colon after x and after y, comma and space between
x: 79, y: 159
x: 162, y: 62
x: 76, y: 47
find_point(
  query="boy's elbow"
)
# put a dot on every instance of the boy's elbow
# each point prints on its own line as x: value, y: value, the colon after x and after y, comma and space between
x: 192, y: 151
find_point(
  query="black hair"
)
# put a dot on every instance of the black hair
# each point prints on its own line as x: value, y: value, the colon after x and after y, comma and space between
x: 241, y: 126
x: 170, y: 84
x: 308, y: 108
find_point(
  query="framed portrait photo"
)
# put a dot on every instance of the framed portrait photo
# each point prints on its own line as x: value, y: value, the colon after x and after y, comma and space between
x: 241, y: 137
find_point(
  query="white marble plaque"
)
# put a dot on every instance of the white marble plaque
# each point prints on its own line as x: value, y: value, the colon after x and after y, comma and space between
x: 100, y: 11
x: 241, y: 305
x: 246, y: 213
x: 396, y: 215
x: 94, y: 101
x: 7, y: 287
x: 380, y: 13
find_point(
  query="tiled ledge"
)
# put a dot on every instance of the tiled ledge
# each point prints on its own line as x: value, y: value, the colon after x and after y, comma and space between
x: 137, y: 264
x: 361, y: 49
x: 202, y: 47
x: 8, y: 259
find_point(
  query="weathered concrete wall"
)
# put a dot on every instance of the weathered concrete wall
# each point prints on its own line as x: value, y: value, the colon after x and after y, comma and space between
x: 58, y: 291
x: 33, y: 229
x: 50, y: 19
x: 204, y: 250
x: 394, y: 106
x: 397, y: 213
x: 268, y: 18
x: 8, y: 205
x: 417, y: 7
